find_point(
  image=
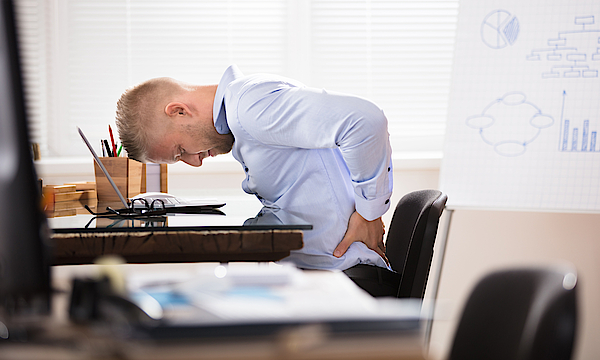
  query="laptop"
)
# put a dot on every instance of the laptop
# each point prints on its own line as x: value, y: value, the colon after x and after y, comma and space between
x: 172, y: 203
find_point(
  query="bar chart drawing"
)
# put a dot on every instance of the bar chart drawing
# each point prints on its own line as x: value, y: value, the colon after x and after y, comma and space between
x: 576, y: 136
x: 572, y: 53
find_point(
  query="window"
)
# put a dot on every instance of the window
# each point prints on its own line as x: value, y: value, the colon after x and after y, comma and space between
x: 79, y: 55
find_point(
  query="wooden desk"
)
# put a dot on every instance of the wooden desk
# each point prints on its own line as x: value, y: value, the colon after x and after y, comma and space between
x: 176, y: 246
x: 303, y: 344
x: 57, y: 338
x: 240, y: 235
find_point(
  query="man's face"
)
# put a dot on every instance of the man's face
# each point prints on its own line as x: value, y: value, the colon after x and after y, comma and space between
x: 190, y: 143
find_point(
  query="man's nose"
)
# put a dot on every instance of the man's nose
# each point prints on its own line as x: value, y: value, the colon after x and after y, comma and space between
x: 191, y: 159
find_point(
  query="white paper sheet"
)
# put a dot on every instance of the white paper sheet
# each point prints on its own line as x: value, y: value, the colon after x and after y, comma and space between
x: 524, y: 115
x: 250, y: 292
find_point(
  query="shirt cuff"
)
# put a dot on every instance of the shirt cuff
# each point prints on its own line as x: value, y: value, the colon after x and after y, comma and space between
x: 372, y: 209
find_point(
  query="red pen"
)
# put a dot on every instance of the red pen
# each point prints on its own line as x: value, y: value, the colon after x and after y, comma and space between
x: 112, y: 140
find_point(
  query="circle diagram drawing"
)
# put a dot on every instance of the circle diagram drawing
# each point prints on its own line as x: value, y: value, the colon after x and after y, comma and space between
x: 510, y: 123
x: 499, y: 29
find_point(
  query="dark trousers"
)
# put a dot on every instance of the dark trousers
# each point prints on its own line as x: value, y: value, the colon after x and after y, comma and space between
x: 375, y: 280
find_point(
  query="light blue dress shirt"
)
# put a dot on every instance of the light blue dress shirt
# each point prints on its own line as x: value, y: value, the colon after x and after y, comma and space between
x: 314, y: 153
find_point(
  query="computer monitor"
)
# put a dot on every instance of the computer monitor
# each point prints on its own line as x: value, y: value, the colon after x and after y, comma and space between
x: 24, y: 234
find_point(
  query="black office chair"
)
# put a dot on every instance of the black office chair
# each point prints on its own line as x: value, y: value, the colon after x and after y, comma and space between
x: 521, y: 314
x: 409, y: 248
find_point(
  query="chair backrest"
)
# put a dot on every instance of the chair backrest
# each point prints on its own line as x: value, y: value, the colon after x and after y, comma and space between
x: 411, y: 236
x: 519, y: 314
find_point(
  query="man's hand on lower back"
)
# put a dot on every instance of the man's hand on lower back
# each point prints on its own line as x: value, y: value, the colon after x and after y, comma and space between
x: 369, y: 232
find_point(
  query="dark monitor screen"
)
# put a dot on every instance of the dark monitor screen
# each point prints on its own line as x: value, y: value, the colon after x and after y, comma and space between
x: 24, y: 267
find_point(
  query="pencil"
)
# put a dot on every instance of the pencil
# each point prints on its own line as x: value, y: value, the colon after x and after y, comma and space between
x: 112, y: 141
x: 108, y: 151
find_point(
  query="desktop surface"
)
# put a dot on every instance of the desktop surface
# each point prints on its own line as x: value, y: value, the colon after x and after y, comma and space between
x: 255, y: 311
x: 236, y: 232
x: 232, y: 216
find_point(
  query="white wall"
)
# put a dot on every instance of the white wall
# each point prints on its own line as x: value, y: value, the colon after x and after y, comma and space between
x: 480, y: 241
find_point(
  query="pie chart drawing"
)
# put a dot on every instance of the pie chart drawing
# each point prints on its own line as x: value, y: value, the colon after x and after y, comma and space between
x: 499, y: 29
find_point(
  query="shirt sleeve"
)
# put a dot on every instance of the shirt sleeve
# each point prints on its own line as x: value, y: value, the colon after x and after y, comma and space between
x: 285, y: 114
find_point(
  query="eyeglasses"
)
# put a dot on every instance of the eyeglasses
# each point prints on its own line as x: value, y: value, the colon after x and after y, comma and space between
x: 135, y: 210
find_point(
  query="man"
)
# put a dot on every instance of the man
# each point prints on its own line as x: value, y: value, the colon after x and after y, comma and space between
x: 301, y: 149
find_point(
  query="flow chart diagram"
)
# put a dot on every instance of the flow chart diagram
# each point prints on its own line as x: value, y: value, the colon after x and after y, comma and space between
x: 572, y: 53
x: 510, y: 123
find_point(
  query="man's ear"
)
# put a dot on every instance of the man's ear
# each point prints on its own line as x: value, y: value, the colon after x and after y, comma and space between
x: 174, y: 109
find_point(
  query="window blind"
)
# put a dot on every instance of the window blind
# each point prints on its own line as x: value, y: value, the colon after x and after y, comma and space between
x: 397, y: 53
x: 116, y: 44
x: 31, y: 23
x: 81, y: 55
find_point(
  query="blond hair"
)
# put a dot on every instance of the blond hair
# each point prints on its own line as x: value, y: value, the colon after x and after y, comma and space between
x: 138, y: 111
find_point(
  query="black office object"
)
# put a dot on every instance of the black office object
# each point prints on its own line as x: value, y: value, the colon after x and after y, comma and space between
x: 414, y: 228
x: 523, y: 314
x: 409, y: 248
x: 95, y: 300
x: 24, y: 266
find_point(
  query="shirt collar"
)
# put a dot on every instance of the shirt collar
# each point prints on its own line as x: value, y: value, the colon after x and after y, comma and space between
x: 219, y: 116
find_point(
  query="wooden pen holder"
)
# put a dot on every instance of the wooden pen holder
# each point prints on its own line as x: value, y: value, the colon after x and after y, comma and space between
x: 125, y: 172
